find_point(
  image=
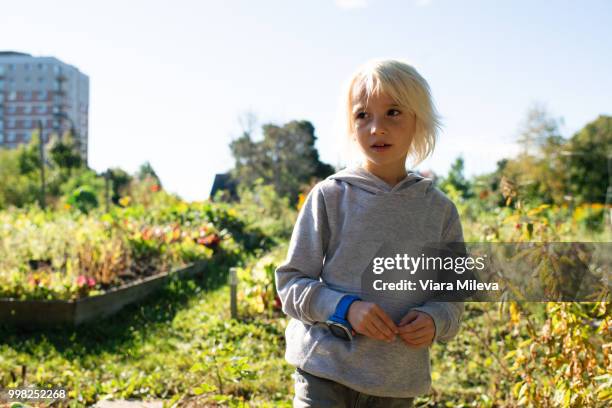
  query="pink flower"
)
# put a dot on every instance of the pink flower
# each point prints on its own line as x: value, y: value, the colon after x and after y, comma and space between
x: 81, y: 280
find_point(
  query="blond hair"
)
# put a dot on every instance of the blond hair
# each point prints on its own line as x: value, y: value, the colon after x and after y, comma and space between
x: 407, y: 88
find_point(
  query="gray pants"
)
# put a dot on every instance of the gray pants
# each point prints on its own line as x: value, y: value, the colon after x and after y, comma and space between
x: 317, y: 392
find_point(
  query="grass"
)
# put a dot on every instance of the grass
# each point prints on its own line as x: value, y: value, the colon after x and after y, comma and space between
x: 181, y: 345
x: 179, y: 341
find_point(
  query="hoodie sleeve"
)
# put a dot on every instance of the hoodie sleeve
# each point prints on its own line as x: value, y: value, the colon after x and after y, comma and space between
x: 303, y: 295
x: 446, y: 315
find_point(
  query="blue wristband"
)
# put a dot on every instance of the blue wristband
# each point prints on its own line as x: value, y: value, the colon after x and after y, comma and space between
x: 342, y: 308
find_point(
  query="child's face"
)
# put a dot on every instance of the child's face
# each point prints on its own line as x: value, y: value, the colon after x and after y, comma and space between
x: 382, y: 121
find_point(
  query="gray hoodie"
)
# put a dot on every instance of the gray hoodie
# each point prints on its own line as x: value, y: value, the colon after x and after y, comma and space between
x: 344, y: 222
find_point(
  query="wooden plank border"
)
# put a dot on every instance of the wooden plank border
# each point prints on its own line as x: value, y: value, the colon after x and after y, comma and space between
x: 47, y: 313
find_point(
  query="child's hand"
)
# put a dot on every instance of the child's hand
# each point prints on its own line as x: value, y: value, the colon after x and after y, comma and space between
x: 370, y: 320
x: 417, y: 329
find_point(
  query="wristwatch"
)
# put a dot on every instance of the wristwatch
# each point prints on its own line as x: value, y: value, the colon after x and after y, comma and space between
x: 337, y: 323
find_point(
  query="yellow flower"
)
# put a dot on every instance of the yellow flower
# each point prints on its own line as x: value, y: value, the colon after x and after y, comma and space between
x: 124, y: 201
x: 301, y: 199
x: 538, y: 209
x: 515, y: 314
x: 579, y: 213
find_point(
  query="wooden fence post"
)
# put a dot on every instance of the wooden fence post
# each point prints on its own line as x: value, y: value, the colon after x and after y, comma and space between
x: 233, y: 281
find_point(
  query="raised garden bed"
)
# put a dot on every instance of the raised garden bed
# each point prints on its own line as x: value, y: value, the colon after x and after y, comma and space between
x: 47, y: 313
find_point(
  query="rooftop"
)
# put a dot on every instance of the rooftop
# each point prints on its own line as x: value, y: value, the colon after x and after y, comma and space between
x: 13, y: 54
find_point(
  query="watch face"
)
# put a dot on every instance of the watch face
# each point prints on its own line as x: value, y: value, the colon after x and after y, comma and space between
x: 340, y: 331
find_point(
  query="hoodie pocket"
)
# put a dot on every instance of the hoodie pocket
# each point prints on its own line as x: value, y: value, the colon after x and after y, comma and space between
x: 351, y: 260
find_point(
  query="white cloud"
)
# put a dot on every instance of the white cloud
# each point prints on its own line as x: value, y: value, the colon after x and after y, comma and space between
x: 351, y: 4
x: 422, y: 3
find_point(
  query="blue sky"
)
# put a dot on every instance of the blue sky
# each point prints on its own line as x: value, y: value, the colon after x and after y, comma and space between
x: 169, y: 80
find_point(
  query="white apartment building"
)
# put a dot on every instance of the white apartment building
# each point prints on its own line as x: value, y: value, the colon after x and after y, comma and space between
x: 45, y: 91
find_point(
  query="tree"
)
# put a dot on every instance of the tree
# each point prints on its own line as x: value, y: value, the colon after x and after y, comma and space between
x: 65, y: 154
x: 456, y: 180
x: 537, y: 128
x: 29, y: 155
x: 285, y: 158
x: 589, y: 157
x: 146, y: 171
x: 120, y: 181
x: 539, y: 170
x: 16, y: 188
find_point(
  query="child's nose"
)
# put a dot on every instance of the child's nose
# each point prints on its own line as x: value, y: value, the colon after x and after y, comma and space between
x: 377, y: 127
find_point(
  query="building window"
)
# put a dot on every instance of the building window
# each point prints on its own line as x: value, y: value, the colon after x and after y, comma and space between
x: 41, y: 66
x: 26, y: 67
x: 11, y: 67
x: 27, y: 123
x: 11, y: 136
x: 27, y: 80
x: 27, y: 96
x: 42, y: 95
x: 12, y: 109
x: 27, y: 109
x: 41, y: 80
x: 12, y: 96
x: 1, y: 83
x: 11, y: 123
x: 42, y: 109
x: 27, y: 136
x: 1, y: 137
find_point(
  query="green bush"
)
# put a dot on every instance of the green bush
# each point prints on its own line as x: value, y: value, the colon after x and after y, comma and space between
x: 84, y: 199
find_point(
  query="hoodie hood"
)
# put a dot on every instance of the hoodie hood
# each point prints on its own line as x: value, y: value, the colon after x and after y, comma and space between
x: 413, y: 184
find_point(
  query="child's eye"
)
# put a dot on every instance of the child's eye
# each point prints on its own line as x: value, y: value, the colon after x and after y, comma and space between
x: 360, y: 115
x: 393, y: 112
